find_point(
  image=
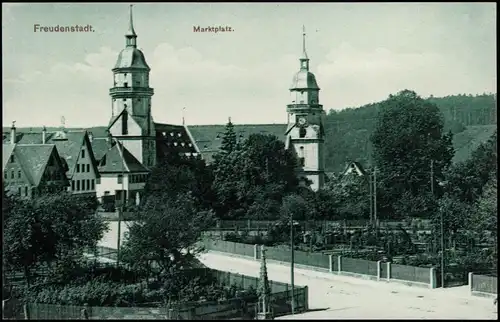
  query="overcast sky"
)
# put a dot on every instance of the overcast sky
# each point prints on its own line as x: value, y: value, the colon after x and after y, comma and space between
x: 360, y: 53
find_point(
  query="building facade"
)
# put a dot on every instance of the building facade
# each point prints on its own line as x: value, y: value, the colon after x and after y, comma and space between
x: 305, y: 133
x: 74, y: 149
x: 122, y: 178
x: 30, y: 169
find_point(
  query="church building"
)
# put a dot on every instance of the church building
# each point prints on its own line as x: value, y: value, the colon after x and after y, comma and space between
x: 142, y: 142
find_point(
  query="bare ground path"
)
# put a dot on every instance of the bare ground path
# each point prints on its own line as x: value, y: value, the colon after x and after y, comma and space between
x: 352, y: 298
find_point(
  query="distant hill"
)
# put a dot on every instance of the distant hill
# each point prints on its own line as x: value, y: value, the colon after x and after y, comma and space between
x: 467, y: 141
x: 471, y: 118
x: 348, y: 131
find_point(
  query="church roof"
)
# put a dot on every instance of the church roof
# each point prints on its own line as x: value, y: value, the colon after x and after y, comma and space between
x: 208, y: 137
x: 173, y: 138
x: 304, y: 79
x: 118, y: 159
x: 131, y: 57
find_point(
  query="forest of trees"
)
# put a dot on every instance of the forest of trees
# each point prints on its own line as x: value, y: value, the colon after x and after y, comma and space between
x: 348, y: 131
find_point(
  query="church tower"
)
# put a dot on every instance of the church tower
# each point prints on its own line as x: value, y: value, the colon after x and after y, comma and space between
x: 305, y: 133
x: 131, y: 120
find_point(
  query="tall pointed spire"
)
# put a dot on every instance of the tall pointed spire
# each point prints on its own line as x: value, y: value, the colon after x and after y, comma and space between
x: 304, y: 53
x: 304, y: 60
x: 131, y: 36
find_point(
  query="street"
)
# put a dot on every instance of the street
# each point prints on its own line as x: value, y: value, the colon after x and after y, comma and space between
x: 342, y: 297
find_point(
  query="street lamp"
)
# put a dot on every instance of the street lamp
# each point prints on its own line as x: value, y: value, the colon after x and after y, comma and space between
x: 442, y: 184
x: 292, y: 264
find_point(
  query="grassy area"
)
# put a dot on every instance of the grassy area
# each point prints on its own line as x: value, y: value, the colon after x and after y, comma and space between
x: 467, y: 141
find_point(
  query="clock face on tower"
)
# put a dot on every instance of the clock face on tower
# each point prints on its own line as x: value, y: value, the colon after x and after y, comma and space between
x: 302, y: 121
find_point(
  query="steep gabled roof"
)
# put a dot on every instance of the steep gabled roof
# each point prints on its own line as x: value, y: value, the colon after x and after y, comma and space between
x: 68, y: 143
x: 100, y: 146
x: 118, y: 159
x: 34, y: 159
x: 354, y: 167
x: 7, y: 150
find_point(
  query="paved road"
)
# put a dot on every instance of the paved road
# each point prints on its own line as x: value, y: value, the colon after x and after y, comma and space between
x: 343, y: 297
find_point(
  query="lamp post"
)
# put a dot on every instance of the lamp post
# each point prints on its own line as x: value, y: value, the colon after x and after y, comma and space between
x: 292, y: 264
x: 120, y: 212
x: 442, y: 184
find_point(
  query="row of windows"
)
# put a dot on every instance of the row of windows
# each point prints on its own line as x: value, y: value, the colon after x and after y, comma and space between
x: 12, y: 174
x: 83, y: 185
x: 20, y: 190
x: 134, y: 178
x: 53, y: 176
x: 83, y: 167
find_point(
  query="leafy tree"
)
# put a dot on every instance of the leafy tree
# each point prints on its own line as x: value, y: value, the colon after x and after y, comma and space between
x: 484, y: 218
x: 51, y: 229
x: 351, y: 196
x: 165, y: 235
x: 180, y: 175
x: 260, y: 170
x: 407, y: 139
x: 466, y: 180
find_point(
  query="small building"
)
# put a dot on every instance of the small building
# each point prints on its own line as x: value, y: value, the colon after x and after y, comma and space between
x: 354, y: 168
x: 29, y: 169
x: 121, y: 176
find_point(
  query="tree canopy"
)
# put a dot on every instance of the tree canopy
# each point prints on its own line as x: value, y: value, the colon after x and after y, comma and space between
x: 409, y: 143
x: 252, y: 179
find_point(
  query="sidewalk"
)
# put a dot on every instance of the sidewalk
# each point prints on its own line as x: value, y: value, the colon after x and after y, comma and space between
x: 349, y: 297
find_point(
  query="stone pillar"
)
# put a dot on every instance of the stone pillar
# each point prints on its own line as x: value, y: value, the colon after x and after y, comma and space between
x: 256, y: 251
x: 470, y: 282
x: 340, y: 263
x: 306, y: 299
x: 379, y: 270
x: 433, y: 283
x: 330, y: 260
x: 389, y: 271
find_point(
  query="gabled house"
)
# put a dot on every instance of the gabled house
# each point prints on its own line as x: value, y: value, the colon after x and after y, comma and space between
x: 122, y: 177
x: 29, y: 169
x: 354, y: 168
x: 74, y: 148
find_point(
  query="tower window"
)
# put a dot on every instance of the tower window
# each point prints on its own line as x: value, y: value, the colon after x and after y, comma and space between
x: 302, y: 161
x: 11, y: 159
x: 88, y: 167
x: 302, y: 132
x: 125, y: 123
x: 125, y: 84
x: 19, y: 174
x: 72, y: 184
x: 83, y: 154
x: 77, y: 168
x: 12, y: 174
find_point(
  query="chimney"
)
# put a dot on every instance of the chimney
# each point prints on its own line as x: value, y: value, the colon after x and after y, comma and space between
x: 13, y: 133
x: 44, y: 135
